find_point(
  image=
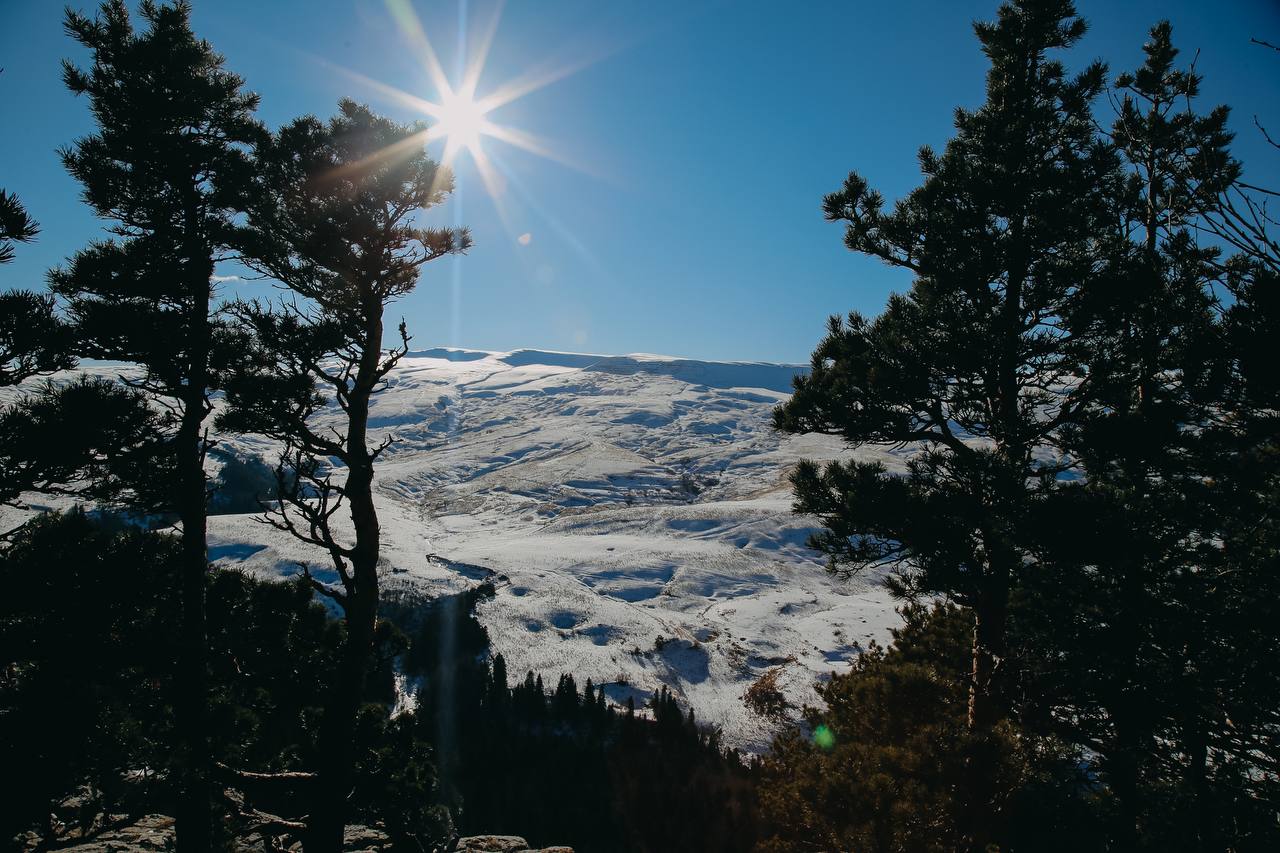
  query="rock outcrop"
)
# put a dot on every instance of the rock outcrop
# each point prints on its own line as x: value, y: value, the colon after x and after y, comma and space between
x: 156, y: 833
x: 503, y: 844
x: 148, y: 833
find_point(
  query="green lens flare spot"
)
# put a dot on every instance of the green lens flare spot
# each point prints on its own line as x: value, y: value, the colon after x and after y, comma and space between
x: 823, y: 738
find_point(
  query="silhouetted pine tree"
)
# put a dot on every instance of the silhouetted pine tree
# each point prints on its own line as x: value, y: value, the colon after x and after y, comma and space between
x: 168, y: 167
x: 1194, y: 474
x: 498, y: 694
x: 1244, y: 590
x: 71, y: 439
x: 1240, y: 604
x: 77, y: 439
x: 1243, y: 218
x: 32, y: 339
x: 44, y: 443
x: 333, y: 218
x: 1119, y: 600
x: 1000, y: 239
x: 16, y: 226
x: 84, y: 693
x: 90, y: 628
x: 90, y: 438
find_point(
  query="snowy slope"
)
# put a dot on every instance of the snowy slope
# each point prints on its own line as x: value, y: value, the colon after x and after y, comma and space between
x: 634, y: 513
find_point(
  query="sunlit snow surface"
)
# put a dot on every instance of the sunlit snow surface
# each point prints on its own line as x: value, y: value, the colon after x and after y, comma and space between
x: 616, y: 500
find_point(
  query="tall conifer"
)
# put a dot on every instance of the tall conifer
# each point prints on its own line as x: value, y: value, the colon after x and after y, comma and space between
x: 1148, y: 341
x: 973, y: 366
x: 334, y: 220
x: 45, y: 445
x: 32, y: 339
x: 168, y: 168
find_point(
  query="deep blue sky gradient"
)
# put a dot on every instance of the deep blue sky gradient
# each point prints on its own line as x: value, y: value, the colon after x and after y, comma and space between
x: 706, y: 133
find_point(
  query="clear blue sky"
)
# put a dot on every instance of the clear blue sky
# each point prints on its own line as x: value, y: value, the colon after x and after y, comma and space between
x: 705, y: 135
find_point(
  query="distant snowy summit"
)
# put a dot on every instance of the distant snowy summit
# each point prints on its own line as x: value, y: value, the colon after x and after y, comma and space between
x: 712, y: 374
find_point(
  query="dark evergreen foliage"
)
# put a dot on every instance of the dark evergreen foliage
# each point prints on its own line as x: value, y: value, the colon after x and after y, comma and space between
x: 16, y: 225
x: 84, y: 653
x: 44, y: 443
x: 88, y: 694
x: 1131, y: 652
x: 882, y: 767
x: 1080, y: 375
x: 564, y: 766
x: 1000, y: 240
x: 332, y: 218
x: 89, y: 437
x: 244, y: 484
x: 168, y: 167
x: 33, y: 340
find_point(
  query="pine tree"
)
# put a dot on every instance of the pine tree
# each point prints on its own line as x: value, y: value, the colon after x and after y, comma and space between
x: 77, y: 439
x: 333, y: 219
x: 1226, y: 724
x: 32, y: 338
x: 16, y: 226
x: 972, y: 367
x: 565, y: 700
x: 1242, y: 218
x: 168, y: 167
x: 1246, y: 495
x: 89, y: 438
x: 1147, y: 342
x: 497, y: 694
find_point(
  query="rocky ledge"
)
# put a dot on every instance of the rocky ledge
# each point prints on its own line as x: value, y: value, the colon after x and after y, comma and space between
x: 155, y: 833
x: 503, y: 844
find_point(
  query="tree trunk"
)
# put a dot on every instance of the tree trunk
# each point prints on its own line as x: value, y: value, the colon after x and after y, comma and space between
x: 1196, y: 780
x: 985, y: 709
x: 988, y: 649
x: 991, y: 604
x: 1123, y: 767
x: 337, y: 731
x: 194, y: 813
x: 1128, y: 712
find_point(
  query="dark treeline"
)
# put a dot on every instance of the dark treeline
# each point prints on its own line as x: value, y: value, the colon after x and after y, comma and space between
x: 1085, y: 536
x: 89, y: 696
x: 561, y: 764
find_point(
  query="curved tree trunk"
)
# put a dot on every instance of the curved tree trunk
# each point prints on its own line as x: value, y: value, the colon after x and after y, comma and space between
x: 360, y: 611
x: 336, y: 769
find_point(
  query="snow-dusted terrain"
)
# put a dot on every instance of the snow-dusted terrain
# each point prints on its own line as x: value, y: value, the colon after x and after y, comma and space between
x: 634, y: 514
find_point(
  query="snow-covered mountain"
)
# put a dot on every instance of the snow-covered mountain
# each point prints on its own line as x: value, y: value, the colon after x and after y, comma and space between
x: 633, y: 510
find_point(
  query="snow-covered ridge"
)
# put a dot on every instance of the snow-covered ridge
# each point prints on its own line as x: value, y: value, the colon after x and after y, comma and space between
x: 718, y: 374
x: 635, y: 512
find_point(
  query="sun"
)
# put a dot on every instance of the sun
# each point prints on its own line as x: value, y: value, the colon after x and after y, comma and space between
x: 460, y: 117
x: 461, y: 121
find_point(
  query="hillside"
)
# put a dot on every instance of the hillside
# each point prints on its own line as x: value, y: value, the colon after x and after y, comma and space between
x: 633, y: 512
